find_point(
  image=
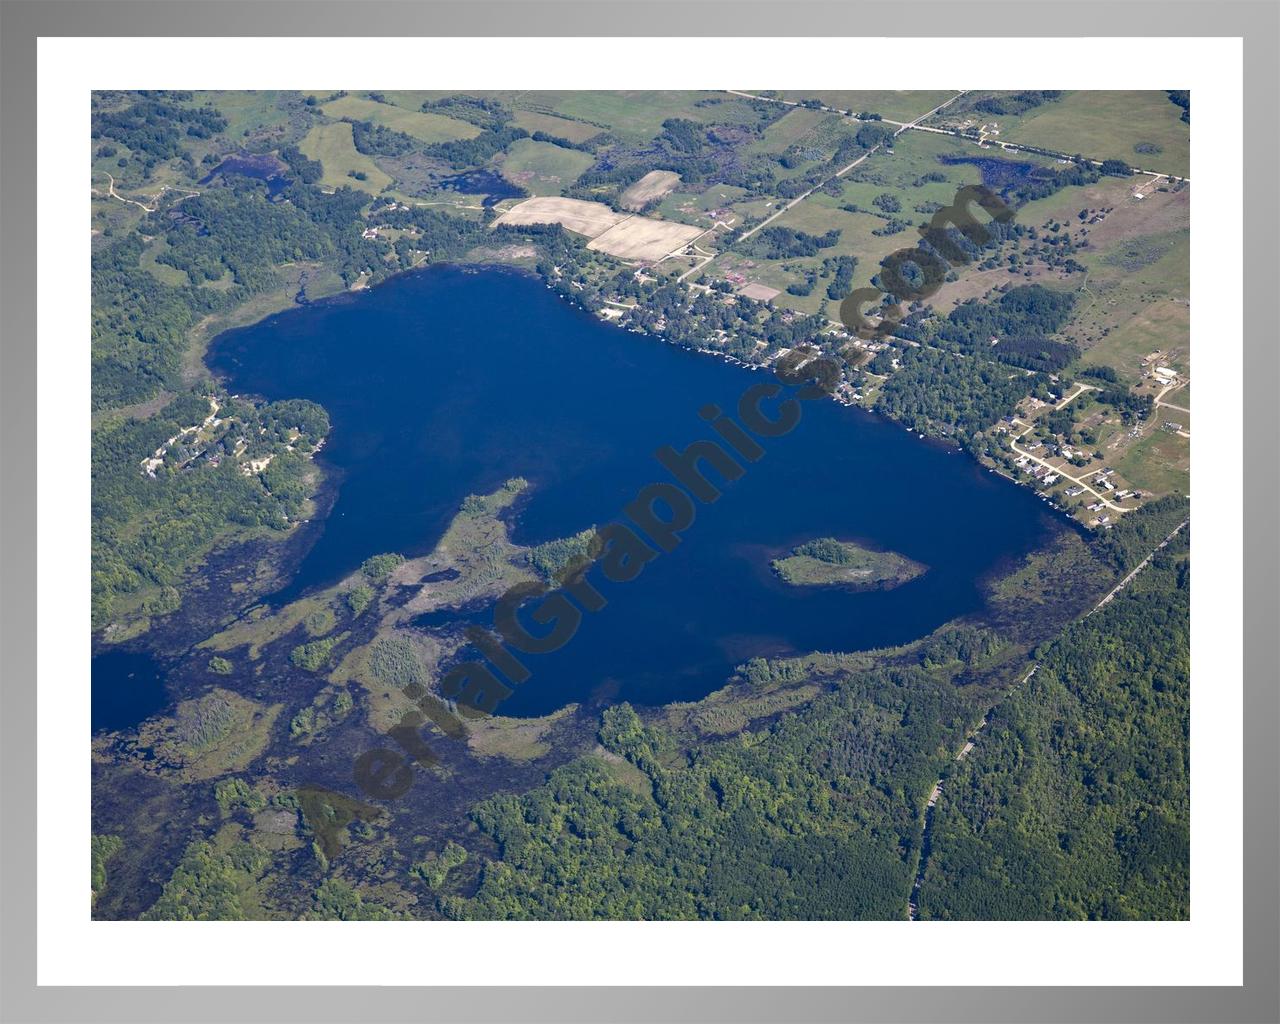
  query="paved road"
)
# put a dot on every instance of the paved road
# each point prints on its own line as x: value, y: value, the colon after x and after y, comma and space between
x: 1011, y: 147
x: 839, y: 174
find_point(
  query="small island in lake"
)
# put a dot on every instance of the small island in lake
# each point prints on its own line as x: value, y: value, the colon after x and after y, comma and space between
x: 827, y: 562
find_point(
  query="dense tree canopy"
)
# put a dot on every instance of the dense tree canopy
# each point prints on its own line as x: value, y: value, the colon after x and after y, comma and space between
x: 1076, y: 802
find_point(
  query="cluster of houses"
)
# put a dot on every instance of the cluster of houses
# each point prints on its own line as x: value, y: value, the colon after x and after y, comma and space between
x: 391, y: 207
x: 1041, y: 474
x: 155, y: 461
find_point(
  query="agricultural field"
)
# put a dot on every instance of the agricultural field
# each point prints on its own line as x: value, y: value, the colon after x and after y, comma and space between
x: 796, y: 126
x: 737, y: 207
x: 627, y: 237
x: 1107, y: 125
x: 644, y: 238
x: 653, y: 185
x: 917, y: 156
x: 426, y: 127
x: 577, y: 215
x: 1135, y: 293
x: 333, y: 146
x: 1136, y: 298
x: 632, y: 116
x: 702, y: 207
x: 543, y: 168
x: 560, y: 127
x: 1160, y: 461
x: 904, y: 186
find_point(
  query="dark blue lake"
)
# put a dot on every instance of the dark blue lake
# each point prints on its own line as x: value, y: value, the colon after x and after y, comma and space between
x: 1000, y: 173
x: 127, y: 687
x: 265, y: 167
x: 494, y: 187
x: 447, y: 382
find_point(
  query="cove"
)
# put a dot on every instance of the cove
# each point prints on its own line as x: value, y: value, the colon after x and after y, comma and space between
x: 448, y: 381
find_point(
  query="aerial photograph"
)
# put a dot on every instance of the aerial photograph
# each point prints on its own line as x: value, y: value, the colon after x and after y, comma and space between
x: 740, y: 504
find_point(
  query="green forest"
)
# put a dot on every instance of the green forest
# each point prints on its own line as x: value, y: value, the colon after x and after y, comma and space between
x: 1076, y: 802
x: 769, y: 824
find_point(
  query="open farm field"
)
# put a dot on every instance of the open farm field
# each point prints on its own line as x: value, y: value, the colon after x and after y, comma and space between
x: 560, y: 127
x: 543, y: 168
x: 1133, y: 308
x: 794, y: 127
x: 632, y: 116
x: 653, y: 185
x: 644, y: 238
x: 578, y: 215
x: 632, y: 238
x: 333, y: 146
x: 425, y: 127
x: 1106, y: 125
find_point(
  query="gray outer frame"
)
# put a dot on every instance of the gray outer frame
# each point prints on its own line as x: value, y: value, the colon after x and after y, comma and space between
x: 23, y: 22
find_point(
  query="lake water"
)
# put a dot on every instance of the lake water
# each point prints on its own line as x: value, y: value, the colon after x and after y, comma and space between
x: 127, y: 687
x: 446, y: 382
x: 1001, y: 173
x: 265, y: 167
x: 494, y: 187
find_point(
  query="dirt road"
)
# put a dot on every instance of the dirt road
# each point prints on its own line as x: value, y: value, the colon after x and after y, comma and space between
x: 1137, y: 569
x: 913, y: 908
x: 1013, y: 444
x: 838, y: 174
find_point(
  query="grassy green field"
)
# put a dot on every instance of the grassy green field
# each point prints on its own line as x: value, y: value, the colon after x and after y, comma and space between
x: 1136, y: 294
x: 561, y: 127
x: 1102, y: 125
x: 162, y: 272
x: 251, y: 112
x: 1064, y: 204
x: 1136, y: 310
x: 1159, y: 463
x: 633, y: 116
x: 332, y: 145
x: 692, y: 207
x: 899, y: 174
x: 897, y: 106
x: 915, y: 155
x: 543, y: 168
x: 821, y: 212
x: 796, y: 125
x: 428, y: 128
